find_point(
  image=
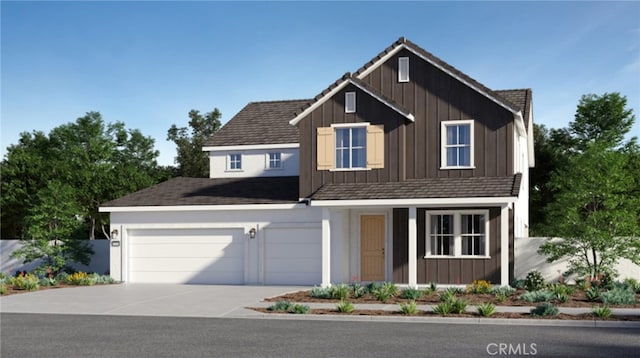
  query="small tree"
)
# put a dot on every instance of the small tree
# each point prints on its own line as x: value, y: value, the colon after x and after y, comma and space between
x: 191, y: 160
x: 53, y: 225
x: 596, y: 207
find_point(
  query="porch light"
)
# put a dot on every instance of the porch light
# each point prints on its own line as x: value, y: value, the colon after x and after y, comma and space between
x: 252, y: 233
x: 114, y: 234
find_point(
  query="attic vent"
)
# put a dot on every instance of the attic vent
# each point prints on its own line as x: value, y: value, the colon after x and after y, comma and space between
x: 403, y: 69
x: 350, y: 102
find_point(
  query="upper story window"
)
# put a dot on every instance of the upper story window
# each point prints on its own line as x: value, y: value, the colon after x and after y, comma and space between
x: 403, y: 69
x: 458, y: 234
x: 274, y: 160
x: 235, y: 161
x: 350, y: 102
x: 351, y: 147
x: 354, y: 146
x: 457, y: 144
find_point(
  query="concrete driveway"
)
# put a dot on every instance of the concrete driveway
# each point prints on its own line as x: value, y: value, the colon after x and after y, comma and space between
x: 146, y: 300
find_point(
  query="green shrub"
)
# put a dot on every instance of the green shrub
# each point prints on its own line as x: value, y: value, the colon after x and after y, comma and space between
x: 459, y: 305
x: 433, y: 287
x: 500, y: 297
x: 486, y: 309
x: 409, y: 308
x: 583, y: 284
x: 3, y: 289
x: 518, y: 284
x: 560, y: 288
x: 345, y: 306
x: 385, y: 291
x: 544, y: 310
x: 299, y: 309
x: 447, y: 295
x: 618, y: 296
x: 534, y: 281
x: 411, y: 293
x: 592, y: 294
x: 280, y: 306
x: 371, y: 287
x: 104, y: 280
x: 357, y: 290
x: 340, y: 291
x: 635, y: 284
x: 45, y: 281
x: 479, y: 287
x: 62, y: 277
x: 601, y: 312
x: 561, y: 297
x: 455, y: 290
x: 26, y: 282
x: 81, y: 279
x: 443, y: 308
x: 537, y: 296
x: 320, y: 292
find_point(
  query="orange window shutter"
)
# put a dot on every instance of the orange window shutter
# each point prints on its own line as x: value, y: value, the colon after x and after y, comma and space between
x: 375, y: 147
x: 325, y: 148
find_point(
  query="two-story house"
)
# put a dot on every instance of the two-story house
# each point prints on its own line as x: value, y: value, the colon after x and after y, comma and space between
x: 406, y: 170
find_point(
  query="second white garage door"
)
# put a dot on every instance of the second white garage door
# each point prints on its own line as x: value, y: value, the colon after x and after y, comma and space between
x: 196, y: 256
x: 293, y: 256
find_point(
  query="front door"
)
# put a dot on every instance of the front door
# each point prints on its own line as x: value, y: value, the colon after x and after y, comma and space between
x: 372, y: 239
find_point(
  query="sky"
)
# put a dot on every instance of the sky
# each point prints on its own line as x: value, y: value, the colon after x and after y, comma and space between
x: 147, y: 64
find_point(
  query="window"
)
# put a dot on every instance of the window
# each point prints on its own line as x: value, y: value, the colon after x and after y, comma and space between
x: 457, y: 234
x: 275, y: 161
x: 457, y: 144
x: 350, y: 102
x: 235, y: 161
x: 351, y: 149
x: 403, y: 69
x: 353, y: 146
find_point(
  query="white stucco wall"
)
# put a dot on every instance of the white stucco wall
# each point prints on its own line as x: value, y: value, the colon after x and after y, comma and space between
x: 528, y: 259
x: 254, y: 163
x: 9, y: 265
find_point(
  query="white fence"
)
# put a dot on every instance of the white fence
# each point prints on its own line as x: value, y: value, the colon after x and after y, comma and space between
x: 9, y: 265
x: 528, y: 259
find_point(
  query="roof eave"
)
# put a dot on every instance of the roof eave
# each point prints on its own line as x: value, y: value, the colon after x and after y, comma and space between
x: 440, y: 202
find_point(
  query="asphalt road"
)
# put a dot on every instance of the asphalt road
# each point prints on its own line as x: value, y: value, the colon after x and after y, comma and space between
x: 45, y: 335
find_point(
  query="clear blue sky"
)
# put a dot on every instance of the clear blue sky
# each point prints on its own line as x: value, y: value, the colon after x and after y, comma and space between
x: 148, y: 63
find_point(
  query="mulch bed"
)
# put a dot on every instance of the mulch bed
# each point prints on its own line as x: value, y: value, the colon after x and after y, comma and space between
x: 14, y: 291
x: 560, y: 316
x: 577, y: 299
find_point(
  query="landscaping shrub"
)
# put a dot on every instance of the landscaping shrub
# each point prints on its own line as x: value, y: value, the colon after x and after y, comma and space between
x: 633, y: 283
x: 340, y: 291
x: 321, y: 292
x: 411, y: 293
x: 103, y: 279
x: 560, y: 288
x: 459, y: 305
x: 561, y: 297
x: 409, y: 308
x: 618, y: 296
x: 537, y: 296
x: 345, y: 306
x: 443, y: 308
x: 479, y: 287
x: 544, y: 310
x: 486, y: 309
x: 385, y: 291
x: 433, y: 287
x: 3, y: 289
x: 451, y: 305
x: 357, y: 290
x: 601, y: 312
x: 447, y: 296
x: 518, y: 284
x: 534, y: 281
x: 81, y: 279
x: 455, y: 290
x: 501, y: 293
x: 26, y: 282
x: 45, y: 281
x: 592, y: 294
x: 286, y: 306
x: 500, y: 297
x: 299, y: 309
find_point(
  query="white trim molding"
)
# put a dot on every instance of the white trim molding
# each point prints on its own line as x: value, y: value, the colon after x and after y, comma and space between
x: 443, y: 143
x: 250, y: 147
x: 133, y: 209
x: 441, y: 202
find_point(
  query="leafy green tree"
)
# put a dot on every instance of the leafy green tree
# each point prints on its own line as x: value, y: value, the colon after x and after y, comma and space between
x: 100, y: 162
x: 53, y: 230
x: 191, y: 160
x: 596, y: 202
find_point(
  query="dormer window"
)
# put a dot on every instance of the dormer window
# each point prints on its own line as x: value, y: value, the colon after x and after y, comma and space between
x: 350, y: 102
x: 403, y: 69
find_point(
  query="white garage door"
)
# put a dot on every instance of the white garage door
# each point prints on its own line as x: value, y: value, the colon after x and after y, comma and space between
x: 199, y: 256
x: 293, y: 256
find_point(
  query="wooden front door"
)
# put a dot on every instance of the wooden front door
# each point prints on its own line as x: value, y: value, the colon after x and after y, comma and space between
x: 372, y: 239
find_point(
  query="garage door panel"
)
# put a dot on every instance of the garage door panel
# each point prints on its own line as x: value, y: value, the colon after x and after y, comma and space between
x: 205, y: 256
x: 293, y: 256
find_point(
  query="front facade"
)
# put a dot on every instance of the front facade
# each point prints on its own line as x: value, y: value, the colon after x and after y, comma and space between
x: 406, y: 171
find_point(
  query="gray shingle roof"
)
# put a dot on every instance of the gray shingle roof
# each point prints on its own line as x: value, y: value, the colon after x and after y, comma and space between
x: 423, y: 189
x: 521, y: 98
x: 205, y: 191
x: 260, y: 123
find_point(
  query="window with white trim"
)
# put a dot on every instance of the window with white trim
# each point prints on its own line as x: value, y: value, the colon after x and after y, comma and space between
x: 457, y: 234
x: 457, y: 144
x: 350, y: 102
x: 274, y: 160
x: 351, y: 147
x: 403, y: 69
x: 235, y: 161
